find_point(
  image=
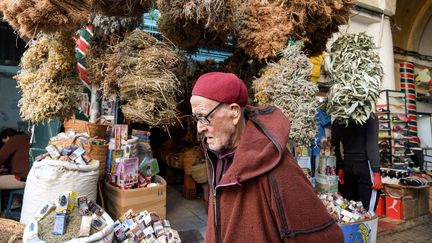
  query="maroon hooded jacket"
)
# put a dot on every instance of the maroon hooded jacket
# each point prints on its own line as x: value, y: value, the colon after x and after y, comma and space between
x: 264, y: 195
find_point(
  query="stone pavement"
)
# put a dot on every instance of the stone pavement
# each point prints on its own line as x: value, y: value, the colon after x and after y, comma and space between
x: 418, y: 230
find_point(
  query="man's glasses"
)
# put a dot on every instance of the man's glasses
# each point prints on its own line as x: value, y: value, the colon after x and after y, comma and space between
x: 205, y: 119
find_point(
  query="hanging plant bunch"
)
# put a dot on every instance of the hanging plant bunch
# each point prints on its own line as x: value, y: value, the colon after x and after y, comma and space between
x: 29, y: 17
x: 315, y: 21
x: 356, y: 71
x: 122, y: 8
x: 48, y: 80
x: 286, y: 85
x: 105, y: 26
x: 262, y: 28
x: 144, y: 69
x: 193, y: 23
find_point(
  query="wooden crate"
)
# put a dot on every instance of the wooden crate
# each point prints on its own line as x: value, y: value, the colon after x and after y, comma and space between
x: 118, y: 201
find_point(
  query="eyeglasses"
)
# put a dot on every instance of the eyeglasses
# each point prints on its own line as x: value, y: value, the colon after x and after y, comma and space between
x: 205, y: 119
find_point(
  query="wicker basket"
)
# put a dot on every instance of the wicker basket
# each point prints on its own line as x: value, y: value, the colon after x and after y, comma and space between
x: 189, y: 157
x: 79, y: 126
x: 199, y: 173
x: 11, y: 231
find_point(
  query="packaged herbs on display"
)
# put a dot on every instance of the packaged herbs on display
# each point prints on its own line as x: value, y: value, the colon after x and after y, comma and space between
x: 344, y: 211
x: 144, y: 227
x: 286, y: 85
x: 48, y: 80
x: 356, y: 71
x: 70, y: 216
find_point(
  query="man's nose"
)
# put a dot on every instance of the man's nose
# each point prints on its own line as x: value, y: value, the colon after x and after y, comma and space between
x: 201, y: 127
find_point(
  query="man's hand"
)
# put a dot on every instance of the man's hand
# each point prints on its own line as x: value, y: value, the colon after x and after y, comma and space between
x: 377, y: 181
x: 341, y: 176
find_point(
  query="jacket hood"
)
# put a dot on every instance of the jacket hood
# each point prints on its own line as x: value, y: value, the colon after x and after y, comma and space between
x: 261, y: 145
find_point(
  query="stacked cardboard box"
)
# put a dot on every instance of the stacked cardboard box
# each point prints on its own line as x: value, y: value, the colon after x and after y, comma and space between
x: 405, y: 202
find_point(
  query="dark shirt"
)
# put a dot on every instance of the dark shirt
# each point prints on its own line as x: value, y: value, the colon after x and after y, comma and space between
x: 360, y: 142
x: 222, y: 161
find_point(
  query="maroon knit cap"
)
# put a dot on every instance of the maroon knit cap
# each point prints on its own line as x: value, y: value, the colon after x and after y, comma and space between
x: 223, y: 87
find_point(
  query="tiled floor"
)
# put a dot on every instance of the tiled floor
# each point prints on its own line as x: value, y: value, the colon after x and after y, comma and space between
x: 189, y: 217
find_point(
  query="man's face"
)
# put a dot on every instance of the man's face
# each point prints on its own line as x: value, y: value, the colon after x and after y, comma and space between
x: 219, y: 133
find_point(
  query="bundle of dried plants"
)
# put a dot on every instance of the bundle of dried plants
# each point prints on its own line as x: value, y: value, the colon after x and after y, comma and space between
x: 48, y: 80
x: 357, y: 71
x: 144, y: 70
x: 29, y: 17
x: 286, y: 85
x: 122, y: 8
x: 192, y: 23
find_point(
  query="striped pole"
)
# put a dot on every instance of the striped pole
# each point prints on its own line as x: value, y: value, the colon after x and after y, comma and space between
x: 408, y: 87
x: 82, y: 43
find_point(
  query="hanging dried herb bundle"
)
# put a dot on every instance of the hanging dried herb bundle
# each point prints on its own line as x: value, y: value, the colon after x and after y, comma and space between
x: 286, y: 85
x: 192, y: 23
x: 356, y: 71
x: 48, y: 79
x: 315, y: 21
x: 144, y: 69
x: 29, y: 17
x: 262, y: 28
x: 104, y: 26
x: 122, y: 8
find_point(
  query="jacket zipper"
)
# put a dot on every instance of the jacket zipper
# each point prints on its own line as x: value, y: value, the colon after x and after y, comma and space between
x: 215, y: 205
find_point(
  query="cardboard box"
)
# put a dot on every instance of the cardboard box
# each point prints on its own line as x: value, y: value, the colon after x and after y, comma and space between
x: 400, y: 191
x: 394, y: 207
x: 150, y: 198
x: 380, y: 209
x: 423, y: 201
x: 399, y: 208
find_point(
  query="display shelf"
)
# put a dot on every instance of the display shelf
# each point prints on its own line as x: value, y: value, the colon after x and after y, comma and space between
x: 392, y: 115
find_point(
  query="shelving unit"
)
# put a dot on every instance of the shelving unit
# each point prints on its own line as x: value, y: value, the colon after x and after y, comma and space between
x: 393, y: 129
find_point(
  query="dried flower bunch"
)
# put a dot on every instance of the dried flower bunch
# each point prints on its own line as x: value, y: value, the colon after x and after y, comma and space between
x: 48, y: 79
x: 357, y: 71
x: 29, y: 17
x: 263, y: 27
x: 286, y: 85
x: 144, y: 69
x: 122, y: 8
x: 105, y: 26
x: 191, y: 23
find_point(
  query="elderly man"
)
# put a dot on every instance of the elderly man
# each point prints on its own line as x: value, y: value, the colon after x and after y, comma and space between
x: 258, y: 192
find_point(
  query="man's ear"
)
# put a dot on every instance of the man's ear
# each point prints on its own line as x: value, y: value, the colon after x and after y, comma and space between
x: 235, y: 111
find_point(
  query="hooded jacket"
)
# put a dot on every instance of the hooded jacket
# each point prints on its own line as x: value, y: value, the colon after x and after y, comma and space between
x: 264, y: 195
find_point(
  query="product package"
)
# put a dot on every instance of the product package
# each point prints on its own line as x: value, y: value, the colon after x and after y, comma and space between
x: 53, y: 152
x: 62, y: 203
x: 85, y: 227
x: 44, y: 210
x: 59, y: 224
x: 98, y: 222
x: 77, y: 153
x: 120, y: 134
x: 82, y: 205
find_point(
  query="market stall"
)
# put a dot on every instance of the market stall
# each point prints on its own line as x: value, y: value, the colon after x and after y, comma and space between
x: 122, y: 92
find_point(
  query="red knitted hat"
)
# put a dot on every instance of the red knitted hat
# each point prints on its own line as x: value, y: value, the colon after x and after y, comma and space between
x: 223, y: 87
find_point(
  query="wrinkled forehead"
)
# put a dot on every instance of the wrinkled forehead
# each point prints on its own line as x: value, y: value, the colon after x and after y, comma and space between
x: 202, y: 104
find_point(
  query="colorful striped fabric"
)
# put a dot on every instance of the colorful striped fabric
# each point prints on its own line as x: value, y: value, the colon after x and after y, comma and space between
x: 408, y: 86
x: 82, y: 43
